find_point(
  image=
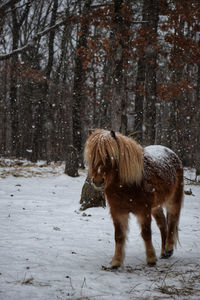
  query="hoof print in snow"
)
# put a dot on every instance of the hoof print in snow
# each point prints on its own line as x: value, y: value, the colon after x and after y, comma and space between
x: 56, y: 228
x: 85, y: 215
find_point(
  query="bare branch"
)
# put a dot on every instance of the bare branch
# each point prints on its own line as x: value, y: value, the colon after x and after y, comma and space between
x: 7, y: 5
x: 32, y: 41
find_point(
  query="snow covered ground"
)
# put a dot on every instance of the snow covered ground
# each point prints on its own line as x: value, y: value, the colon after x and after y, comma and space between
x: 50, y: 250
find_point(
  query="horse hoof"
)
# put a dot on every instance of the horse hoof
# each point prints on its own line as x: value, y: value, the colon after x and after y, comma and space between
x: 166, y: 254
x: 115, y: 264
x: 109, y: 268
x: 114, y: 267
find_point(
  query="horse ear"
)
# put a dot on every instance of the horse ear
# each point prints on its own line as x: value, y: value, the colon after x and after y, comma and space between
x: 90, y: 131
x: 112, y: 133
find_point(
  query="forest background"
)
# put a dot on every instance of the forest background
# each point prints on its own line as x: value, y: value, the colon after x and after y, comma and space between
x: 69, y: 66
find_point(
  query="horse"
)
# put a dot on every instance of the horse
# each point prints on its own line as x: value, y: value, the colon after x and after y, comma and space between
x: 138, y: 180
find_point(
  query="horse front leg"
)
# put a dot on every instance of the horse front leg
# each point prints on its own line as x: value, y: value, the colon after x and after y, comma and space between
x: 145, y: 223
x: 121, y: 226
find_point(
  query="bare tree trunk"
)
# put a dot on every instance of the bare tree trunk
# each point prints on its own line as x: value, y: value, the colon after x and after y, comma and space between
x: 14, y: 109
x: 151, y: 10
x: 176, y: 124
x: 139, y: 99
x: 71, y: 159
x: 79, y: 81
x: 119, y: 42
x: 13, y: 86
x: 43, y: 118
x: 196, y: 131
x: 49, y: 123
x: 106, y: 95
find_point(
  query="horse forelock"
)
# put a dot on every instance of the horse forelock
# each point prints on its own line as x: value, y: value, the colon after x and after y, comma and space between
x: 99, y: 149
x: 120, y: 150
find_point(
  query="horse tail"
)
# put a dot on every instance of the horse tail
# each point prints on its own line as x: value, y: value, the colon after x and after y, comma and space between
x: 181, y: 199
x: 174, y: 216
x: 176, y: 234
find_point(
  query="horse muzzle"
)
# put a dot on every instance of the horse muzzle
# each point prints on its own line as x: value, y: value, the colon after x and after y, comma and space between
x: 99, y: 185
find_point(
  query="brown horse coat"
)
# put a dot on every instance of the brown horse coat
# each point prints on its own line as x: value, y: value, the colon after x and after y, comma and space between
x: 140, y: 181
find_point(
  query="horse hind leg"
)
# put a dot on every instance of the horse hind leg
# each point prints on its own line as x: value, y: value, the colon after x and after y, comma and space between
x: 145, y: 223
x: 173, y: 207
x: 160, y: 219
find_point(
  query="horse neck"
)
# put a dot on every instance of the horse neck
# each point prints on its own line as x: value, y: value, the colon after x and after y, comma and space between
x: 113, y: 178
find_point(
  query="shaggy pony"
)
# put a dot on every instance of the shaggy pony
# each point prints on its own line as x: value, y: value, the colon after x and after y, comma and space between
x: 140, y: 181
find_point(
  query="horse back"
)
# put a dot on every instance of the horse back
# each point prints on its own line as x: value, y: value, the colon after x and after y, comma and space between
x: 163, y: 174
x: 162, y: 177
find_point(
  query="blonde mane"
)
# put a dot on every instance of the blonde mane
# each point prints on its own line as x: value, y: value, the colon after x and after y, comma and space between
x: 119, y: 149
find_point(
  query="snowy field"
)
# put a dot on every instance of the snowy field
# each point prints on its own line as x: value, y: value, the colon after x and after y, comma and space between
x: 50, y: 250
